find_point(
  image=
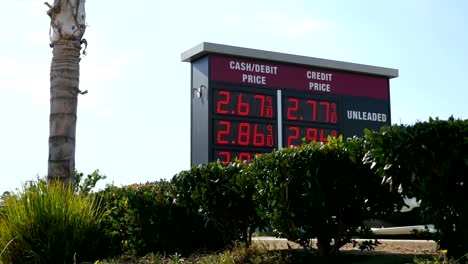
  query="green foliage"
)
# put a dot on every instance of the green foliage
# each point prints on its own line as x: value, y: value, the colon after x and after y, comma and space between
x: 143, y: 218
x: 318, y: 190
x: 84, y: 186
x: 429, y: 160
x: 50, y: 224
x: 222, y: 194
x: 366, y: 244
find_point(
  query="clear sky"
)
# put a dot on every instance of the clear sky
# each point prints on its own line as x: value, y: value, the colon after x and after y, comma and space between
x: 134, y: 124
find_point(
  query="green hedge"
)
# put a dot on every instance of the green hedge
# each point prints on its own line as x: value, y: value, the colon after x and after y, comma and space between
x: 144, y: 218
x: 319, y: 190
x: 222, y: 194
x: 429, y: 160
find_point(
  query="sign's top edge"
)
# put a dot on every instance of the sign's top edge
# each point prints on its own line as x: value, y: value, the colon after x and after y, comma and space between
x: 205, y: 48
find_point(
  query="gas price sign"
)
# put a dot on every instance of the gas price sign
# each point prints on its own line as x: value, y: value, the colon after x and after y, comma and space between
x: 247, y: 105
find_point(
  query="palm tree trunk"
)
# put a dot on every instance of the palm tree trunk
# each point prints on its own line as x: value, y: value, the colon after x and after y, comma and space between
x: 67, y: 26
x: 64, y: 80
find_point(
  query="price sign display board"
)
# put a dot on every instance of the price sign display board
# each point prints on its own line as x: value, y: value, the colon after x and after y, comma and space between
x: 246, y: 102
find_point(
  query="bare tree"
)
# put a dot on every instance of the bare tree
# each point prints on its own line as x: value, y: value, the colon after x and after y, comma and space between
x: 67, y: 28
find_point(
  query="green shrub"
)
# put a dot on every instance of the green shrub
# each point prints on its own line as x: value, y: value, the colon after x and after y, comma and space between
x: 50, y: 224
x: 318, y: 190
x: 144, y: 218
x: 429, y: 160
x: 85, y: 185
x: 222, y: 194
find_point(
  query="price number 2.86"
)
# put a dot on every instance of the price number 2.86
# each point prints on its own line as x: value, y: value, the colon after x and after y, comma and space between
x: 246, y: 134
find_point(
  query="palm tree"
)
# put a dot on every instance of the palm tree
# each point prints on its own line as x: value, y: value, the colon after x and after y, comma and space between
x: 67, y: 28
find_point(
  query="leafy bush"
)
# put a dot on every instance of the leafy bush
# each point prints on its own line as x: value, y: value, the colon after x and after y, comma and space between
x: 84, y: 186
x: 222, y: 194
x: 318, y: 190
x: 144, y: 218
x: 50, y: 224
x: 429, y: 160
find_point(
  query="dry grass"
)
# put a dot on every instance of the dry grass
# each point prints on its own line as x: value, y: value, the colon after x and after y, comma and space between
x: 272, y: 251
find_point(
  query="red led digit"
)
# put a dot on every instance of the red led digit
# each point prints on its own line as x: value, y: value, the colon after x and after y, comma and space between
x: 258, y: 138
x: 269, y: 107
x: 269, y: 111
x: 245, y: 156
x: 226, y: 155
x: 334, y: 118
x: 270, y: 141
x: 220, y: 103
x: 227, y: 128
x: 262, y: 103
x: 311, y: 134
x: 335, y: 133
x: 295, y: 136
x: 292, y: 108
x: 244, y: 134
x: 327, y: 110
x: 314, y: 109
x: 242, y: 107
x: 323, y: 137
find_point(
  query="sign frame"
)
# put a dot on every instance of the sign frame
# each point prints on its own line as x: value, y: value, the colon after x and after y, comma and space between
x: 360, y: 92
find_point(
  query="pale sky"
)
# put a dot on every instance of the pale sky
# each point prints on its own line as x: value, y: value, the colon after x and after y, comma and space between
x: 134, y: 124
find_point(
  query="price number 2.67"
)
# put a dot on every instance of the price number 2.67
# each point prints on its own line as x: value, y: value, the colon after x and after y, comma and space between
x: 243, y: 104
